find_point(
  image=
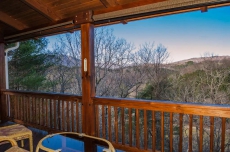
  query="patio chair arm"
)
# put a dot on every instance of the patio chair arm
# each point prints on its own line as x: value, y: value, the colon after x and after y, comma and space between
x: 12, y: 141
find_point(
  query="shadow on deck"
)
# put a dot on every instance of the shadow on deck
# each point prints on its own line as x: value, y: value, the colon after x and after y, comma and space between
x: 37, y: 136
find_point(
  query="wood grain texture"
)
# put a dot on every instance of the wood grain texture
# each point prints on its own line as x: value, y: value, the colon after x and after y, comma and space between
x: 2, y: 81
x: 153, y: 131
x: 137, y: 129
x: 223, y: 134
x: 201, y: 134
x: 116, y: 124
x: 145, y: 131
x: 88, y: 78
x: 162, y: 131
x: 126, y: 6
x: 130, y: 128
x: 109, y: 124
x: 180, y: 132
x: 211, y: 134
x: 171, y: 132
x: 43, y: 9
x: 190, y: 132
x: 123, y: 125
x: 9, y: 20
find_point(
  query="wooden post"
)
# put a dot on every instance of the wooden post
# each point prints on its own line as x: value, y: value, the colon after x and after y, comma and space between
x: 88, y: 83
x: 2, y: 82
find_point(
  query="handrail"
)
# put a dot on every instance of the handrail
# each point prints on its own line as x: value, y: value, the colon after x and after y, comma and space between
x: 167, y: 106
x: 57, y: 95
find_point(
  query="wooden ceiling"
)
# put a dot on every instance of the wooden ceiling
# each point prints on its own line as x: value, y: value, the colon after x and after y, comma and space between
x: 24, y: 19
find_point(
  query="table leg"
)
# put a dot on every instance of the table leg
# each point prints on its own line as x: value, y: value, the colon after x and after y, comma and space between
x: 31, y: 143
x: 22, y: 143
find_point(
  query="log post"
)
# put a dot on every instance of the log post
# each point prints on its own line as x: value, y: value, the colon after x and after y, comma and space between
x: 2, y: 82
x: 88, y: 83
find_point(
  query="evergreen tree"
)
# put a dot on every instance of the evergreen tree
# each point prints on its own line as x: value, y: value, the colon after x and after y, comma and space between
x: 28, y: 65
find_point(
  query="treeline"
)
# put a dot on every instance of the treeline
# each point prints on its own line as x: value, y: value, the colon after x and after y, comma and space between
x: 122, y: 70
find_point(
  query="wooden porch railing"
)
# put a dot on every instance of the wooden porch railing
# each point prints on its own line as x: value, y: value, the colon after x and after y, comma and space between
x: 140, y: 125
x: 131, y: 125
x: 46, y: 111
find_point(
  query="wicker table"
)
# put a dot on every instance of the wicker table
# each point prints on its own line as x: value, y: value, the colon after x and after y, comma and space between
x: 18, y: 132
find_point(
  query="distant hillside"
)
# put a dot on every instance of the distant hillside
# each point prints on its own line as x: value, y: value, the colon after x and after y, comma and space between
x: 201, y: 59
x: 193, y: 64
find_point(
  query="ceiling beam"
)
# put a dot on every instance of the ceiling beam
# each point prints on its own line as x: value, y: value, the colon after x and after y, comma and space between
x: 125, y: 6
x: 109, y: 3
x: 9, y: 20
x: 41, y: 8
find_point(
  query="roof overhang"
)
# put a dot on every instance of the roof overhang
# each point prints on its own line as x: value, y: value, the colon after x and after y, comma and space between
x: 109, y: 13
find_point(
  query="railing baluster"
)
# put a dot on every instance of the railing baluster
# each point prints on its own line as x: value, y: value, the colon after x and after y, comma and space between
x: 29, y: 109
x: 36, y: 121
x: 201, y: 134
x: 123, y: 125
x: 153, y: 132
x: 63, y: 116
x: 47, y: 111
x: 15, y: 115
x: 116, y: 125
x: 190, y: 132
x: 6, y: 100
x: 15, y: 107
x: 211, y: 133
x: 109, y: 123
x: 55, y: 113
x: 130, y: 127
x: 145, y: 131
x: 162, y: 131
x: 72, y: 116
x: 77, y: 116
x: 51, y: 115
x: 43, y: 112
x: 16, y: 97
x: 223, y: 135
x: 39, y: 110
x: 32, y: 107
x: 23, y: 108
x: 67, y: 115
x: 137, y: 130
x: 59, y: 115
x: 181, y: 132
x: 97, y: 120
x: 103, y: 121
x: 171, y: 132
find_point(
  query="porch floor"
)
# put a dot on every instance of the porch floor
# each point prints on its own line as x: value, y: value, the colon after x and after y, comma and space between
x: 37, y: 136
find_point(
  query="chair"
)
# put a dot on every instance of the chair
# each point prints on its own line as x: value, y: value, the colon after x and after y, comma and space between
x: 17, y: 132
x: 14, y: 144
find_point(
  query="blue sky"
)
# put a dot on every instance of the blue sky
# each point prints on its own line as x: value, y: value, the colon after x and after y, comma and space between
x: 185, y: 35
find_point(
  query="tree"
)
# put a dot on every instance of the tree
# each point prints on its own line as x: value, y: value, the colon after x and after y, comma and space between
x: 65, y: 75
x: 28, y: 65
x: 153, y: 60
x: 117, y: 71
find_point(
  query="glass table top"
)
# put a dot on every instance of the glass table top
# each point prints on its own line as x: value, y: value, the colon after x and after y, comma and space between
x: 67, y: 143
